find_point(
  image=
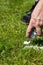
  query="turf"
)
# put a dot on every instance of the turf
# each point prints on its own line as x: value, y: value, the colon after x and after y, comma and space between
x: 12, y: 35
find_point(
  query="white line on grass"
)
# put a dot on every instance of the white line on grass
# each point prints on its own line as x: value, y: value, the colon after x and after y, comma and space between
x: 34, y: 47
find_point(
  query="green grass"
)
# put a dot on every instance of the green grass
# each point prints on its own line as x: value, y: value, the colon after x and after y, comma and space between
x: 12, y: 35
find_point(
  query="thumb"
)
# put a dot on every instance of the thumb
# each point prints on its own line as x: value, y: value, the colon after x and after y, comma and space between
x: 29, y: 30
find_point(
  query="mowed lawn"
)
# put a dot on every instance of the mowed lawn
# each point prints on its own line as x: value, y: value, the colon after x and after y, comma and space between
x: 12, y: 35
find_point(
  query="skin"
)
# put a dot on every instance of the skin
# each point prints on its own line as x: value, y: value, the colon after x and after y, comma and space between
x: 36, y: 20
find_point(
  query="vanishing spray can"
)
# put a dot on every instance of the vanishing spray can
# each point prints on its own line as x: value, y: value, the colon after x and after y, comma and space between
x: 32, y: 36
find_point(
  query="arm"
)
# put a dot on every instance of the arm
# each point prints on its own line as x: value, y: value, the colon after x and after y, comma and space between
x: 37, y: 9
x: 41, y: 1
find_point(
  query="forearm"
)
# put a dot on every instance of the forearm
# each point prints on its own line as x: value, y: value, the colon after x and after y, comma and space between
x: 37, y: 9
x: 41, y: 1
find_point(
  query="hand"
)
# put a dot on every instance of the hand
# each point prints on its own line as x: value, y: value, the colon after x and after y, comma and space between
x: 36, y: 20
x: 34, y: 23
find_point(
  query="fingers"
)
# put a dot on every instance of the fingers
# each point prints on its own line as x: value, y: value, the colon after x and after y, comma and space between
x: 34, y: 24
x: 39, y: 23
x: 38, y: 30
x: 29, y: 29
